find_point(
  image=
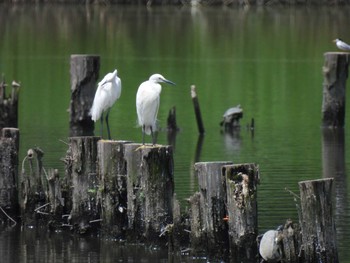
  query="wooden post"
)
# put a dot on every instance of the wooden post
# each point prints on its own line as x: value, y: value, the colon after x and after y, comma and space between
x: 335, y: 73
x: 112, y: 195
x: 150, y: 186
x: 9, y: 147
x: 212, y: 204
x: 241, y: 186
x: 197, y: 110
x: 317, y: 223
x: 9, y: 105
x: 33, y: 186
x: 82, y: 177
x: 54, y: 193
x: 84, y: 71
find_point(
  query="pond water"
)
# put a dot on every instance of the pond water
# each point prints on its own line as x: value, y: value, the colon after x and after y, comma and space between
x: 268, y: 60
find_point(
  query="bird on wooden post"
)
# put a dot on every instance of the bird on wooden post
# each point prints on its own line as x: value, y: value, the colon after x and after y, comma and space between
x: 108, y: 91
x: 341, y: 44
x: 147, y: 104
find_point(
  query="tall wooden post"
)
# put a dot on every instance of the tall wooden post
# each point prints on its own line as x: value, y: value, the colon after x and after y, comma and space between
x: 9, y: 147
x: 317, y: 223
x: 82, y: 178
x: 150, y: 186
x: 212, y: 205
x: 112, y: 195
x: 241, y: 186
x: 335, y: 73
x: 84, y: 71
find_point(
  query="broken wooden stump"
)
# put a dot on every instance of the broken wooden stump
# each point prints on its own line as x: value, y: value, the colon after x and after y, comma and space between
x: 9, y: 148
x: 317, y: 222
x: 150, y: 187
x: 210, y: 230
x: 335, y: 73
x: 33, y: 186
x: 112, y: 194
x: 241, y: 182
x: 82, y: 178
x: 84, y: 70
x: 55, y: 194
x: 9, y: 105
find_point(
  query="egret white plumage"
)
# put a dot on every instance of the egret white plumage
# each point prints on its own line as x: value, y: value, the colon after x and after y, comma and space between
x: 341, y: 44
x: 108, y: 91
x: 147, y: 104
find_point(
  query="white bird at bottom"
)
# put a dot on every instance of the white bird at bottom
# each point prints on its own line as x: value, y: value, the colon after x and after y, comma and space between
x: 107, y: 93
x: 147, y: 104
x: 341, y: 44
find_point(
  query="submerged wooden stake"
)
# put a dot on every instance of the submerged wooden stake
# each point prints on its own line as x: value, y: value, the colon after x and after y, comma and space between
x: 213, y: 213
x: 9, y: 147
x: 150, y: 186
x: 317, y: 222
x: 241, y: 186
x: 112, y: 195
x: 335, y: 73
x: 197, y: 110
x: 84, y: 71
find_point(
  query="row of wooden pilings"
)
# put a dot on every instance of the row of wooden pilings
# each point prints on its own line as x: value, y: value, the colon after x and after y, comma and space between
x: 126, y: 191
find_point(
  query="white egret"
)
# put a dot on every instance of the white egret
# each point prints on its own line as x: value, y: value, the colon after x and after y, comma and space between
x: 147, y: 104
x: 341, y: 44
x: 108, y: 91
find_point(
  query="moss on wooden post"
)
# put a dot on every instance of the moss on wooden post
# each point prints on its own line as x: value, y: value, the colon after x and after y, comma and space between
x: 241, y: 187
x: 112, y: 194
x: 84, y: 71
x: 150, y: 186
x: 317, y: 222
x: 335, y: 73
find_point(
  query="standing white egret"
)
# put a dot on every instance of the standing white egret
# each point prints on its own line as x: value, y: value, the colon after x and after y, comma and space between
x: 108, y: 91
x: 147, y: 104
x: 341, y: 44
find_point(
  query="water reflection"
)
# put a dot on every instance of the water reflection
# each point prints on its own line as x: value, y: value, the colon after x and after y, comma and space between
x: 333, y: 164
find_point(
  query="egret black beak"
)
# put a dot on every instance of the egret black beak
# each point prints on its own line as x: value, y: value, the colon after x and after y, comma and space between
x: 169, y: 82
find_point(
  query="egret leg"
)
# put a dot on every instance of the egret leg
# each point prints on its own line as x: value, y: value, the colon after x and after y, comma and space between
x: 109, y: 132
x: 153, y: 140
x: 101, y: 128
x: 143, y: 134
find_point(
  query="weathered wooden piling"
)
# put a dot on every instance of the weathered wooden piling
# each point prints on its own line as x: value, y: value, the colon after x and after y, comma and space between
x: 197, y: 110
x: 112, y: 194
x: 9, y: 105
x: 210, y: 230
x: 317, y: 223
x: 84, y: 71
x: 335, y: 73
x: 9, y: 147
x: 241, y: 182
x: 150, y: 187
x: 81, y: 173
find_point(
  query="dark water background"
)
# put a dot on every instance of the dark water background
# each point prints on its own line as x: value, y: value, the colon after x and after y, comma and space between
x: 269, y: 60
